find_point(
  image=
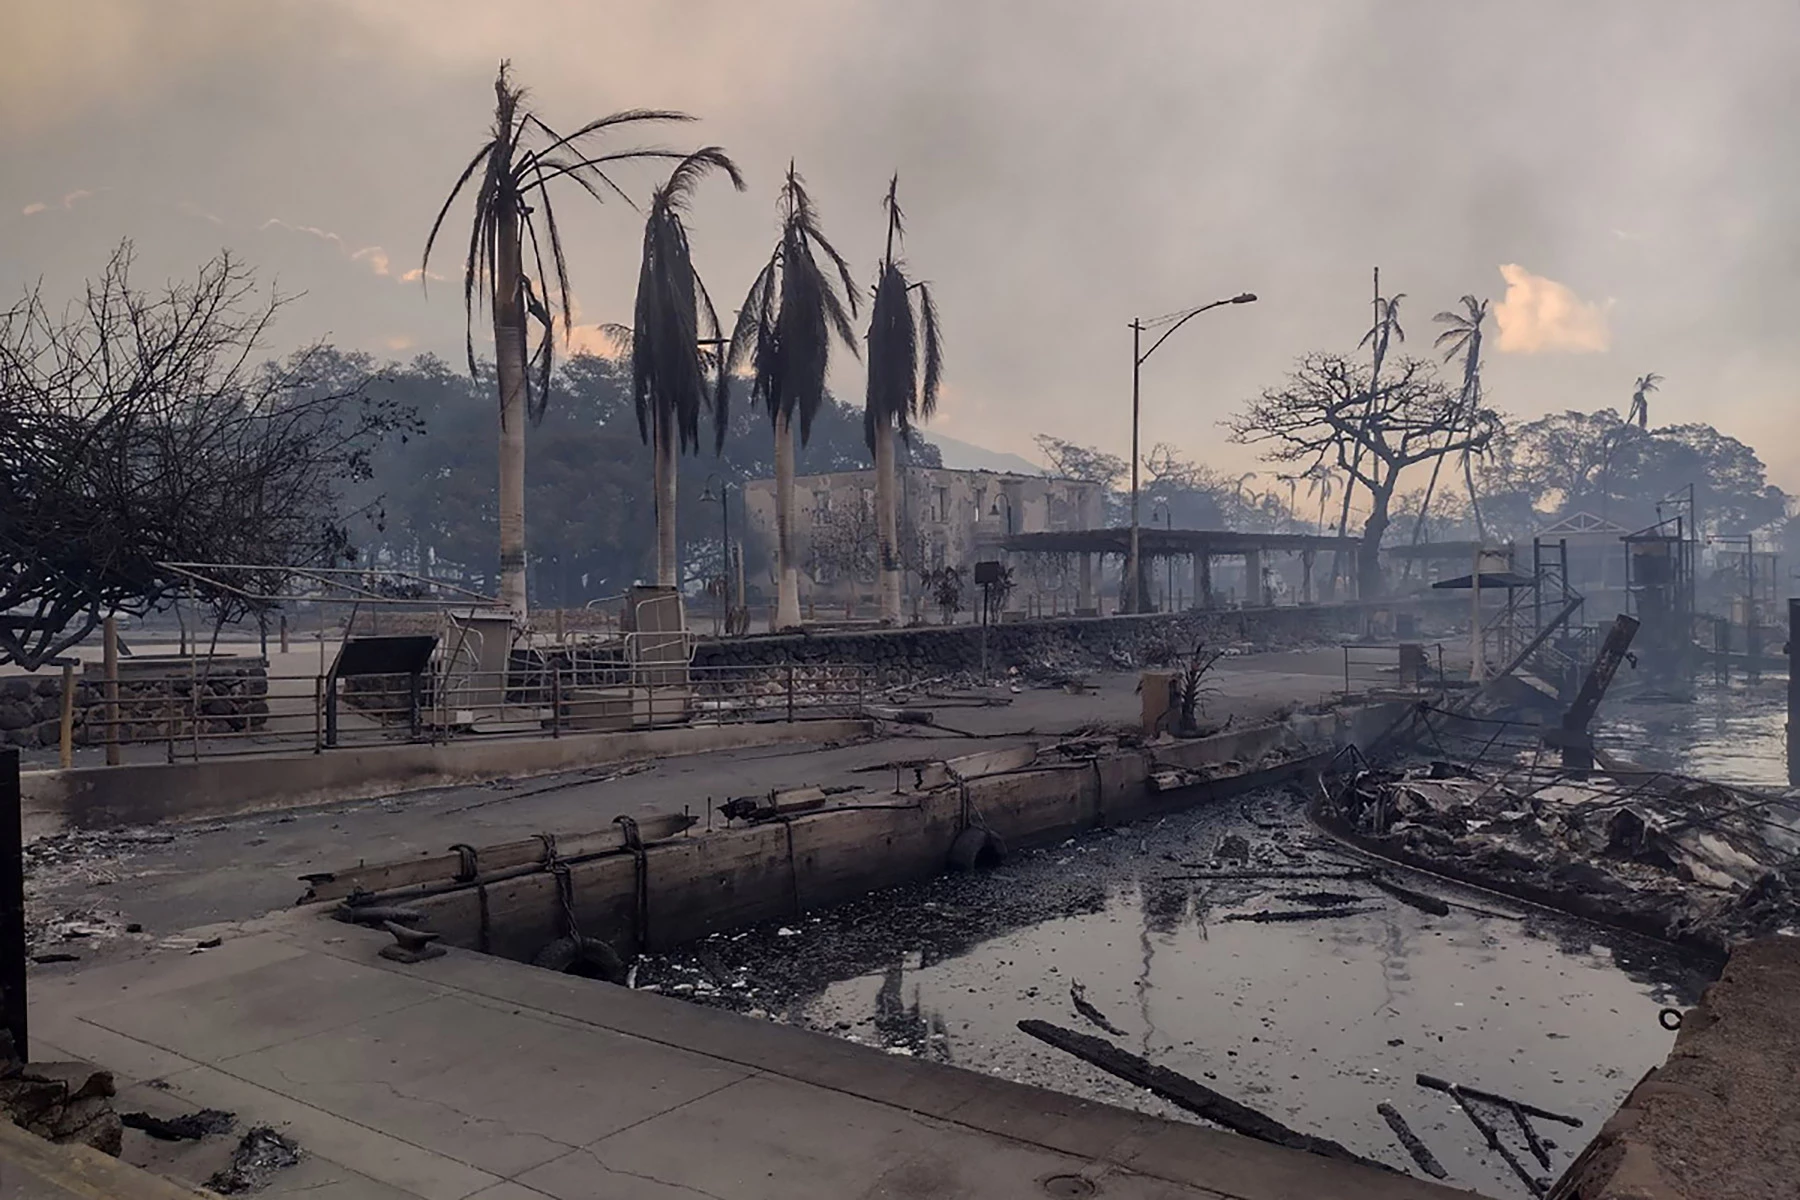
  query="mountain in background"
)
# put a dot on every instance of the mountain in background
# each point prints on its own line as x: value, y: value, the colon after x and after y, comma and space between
x: 964, y: 456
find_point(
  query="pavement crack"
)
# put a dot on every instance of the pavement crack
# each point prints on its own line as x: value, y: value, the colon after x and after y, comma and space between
x: 647, y: 1178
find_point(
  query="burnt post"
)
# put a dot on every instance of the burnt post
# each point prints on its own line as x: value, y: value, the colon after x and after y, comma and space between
x: 1574, y: 737
x: 12, y: 904
x: 1793, y: 652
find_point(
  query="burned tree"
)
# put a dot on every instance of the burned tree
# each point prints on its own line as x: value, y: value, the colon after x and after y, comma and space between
x: 1330, y: 412
x: 139, y: 428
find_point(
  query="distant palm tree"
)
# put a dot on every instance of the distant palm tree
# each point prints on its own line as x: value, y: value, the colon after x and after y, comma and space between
x: 1463, y: 336
x: 503, y: 222
x: 1320, y: 481
x: 899, y: 337
x: 673, y: 326
x: 1640, y: 400
x: 785, y: 328
x: 1293, y: 486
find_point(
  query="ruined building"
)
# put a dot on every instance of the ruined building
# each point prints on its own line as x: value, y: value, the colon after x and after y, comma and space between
x: 947, y: 518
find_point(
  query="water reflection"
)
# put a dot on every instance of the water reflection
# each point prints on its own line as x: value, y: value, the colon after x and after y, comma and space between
x: 1314, y: 1021
x: 1733, y: 733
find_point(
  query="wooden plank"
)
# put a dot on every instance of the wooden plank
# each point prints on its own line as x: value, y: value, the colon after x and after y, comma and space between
x: 444, y: 868
x: 975, y: 766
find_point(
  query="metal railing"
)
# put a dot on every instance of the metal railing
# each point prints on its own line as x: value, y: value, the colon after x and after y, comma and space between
x: 1386, y: 667
x: 596, y: 691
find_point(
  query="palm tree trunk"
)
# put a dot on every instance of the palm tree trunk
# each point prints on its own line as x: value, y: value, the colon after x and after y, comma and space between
x: 887, y: 523
x: 787, y: 575
x: 509, y: 364
x: 664, y: 454
x: 1474, y: 500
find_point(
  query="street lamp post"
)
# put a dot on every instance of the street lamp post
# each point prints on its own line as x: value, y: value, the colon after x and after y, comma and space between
x: 724, y: 500
x: 1134, y: 566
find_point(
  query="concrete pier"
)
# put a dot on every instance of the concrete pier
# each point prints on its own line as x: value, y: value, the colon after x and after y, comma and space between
x: 468, y: 1076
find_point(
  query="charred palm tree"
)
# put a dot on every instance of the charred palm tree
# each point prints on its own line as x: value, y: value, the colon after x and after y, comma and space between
x: 674, y: 344
x: 785, y: 329
x: 905, y: 362
x: 1462, y: 336
x: 520, y: 158
x: 1640, y: 400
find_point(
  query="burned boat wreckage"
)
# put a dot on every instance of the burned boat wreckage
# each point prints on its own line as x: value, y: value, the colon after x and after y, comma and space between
x: 1699, y: 864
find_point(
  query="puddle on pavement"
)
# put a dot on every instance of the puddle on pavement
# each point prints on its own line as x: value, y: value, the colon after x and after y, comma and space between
x: 1314, y: 1022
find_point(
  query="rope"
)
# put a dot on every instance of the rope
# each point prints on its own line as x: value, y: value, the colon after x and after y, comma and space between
x: 565, y: 884
x: 640, y: 916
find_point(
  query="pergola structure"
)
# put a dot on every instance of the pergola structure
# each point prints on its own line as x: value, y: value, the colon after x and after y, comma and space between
x: 1201, y: 545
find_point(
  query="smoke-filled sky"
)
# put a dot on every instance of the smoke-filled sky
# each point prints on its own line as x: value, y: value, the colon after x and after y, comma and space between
x: 1621, y: 177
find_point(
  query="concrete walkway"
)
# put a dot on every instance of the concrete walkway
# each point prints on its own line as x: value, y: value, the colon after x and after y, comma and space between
x: 468, y: 1076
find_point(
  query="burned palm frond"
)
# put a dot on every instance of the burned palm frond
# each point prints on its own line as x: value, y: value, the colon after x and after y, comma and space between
x: 905, y: 345
x: 675, y: 326
x: 792, y: 313
x: 513, y: 188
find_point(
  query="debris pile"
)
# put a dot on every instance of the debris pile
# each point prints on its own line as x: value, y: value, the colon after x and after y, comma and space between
x: 65, y: 874
x: 1696, y: 863
x: 62, y: 1102
x: 260, y: 1154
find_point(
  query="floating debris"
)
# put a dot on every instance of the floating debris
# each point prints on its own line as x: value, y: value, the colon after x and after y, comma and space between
x: 1421, y: 1153
x: 1298, y: 914
x: 1419, y: 900
x: 1078, y: 995
x: 1187, y: 1093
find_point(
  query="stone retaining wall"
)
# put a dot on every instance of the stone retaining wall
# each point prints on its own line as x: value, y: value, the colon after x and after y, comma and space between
x: 156, y: 701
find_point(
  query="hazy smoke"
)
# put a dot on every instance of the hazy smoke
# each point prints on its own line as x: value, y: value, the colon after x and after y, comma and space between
x: 1539, y: 315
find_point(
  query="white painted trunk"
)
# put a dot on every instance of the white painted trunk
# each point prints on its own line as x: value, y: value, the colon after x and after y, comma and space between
x: 787, y: 574
x: 887, y: 524
x: 509, y: 363
x: 664, y: 455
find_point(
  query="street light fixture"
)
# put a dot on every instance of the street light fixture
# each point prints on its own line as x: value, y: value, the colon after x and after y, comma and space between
x: 1134, y: 566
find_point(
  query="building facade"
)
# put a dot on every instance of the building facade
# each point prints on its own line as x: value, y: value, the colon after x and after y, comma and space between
x: 947, y: 519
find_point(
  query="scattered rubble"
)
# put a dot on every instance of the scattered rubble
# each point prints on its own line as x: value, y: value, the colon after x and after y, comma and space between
x: 62, y: 1102
x: 260, y: 1154
x: 188, y: 1127
x: 74, y: 864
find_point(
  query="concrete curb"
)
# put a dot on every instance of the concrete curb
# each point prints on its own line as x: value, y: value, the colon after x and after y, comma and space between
x: 99, y: 797
x: 42, y: 1169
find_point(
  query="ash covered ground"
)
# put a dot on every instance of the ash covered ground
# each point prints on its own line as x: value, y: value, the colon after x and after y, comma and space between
x: 1132, y: 935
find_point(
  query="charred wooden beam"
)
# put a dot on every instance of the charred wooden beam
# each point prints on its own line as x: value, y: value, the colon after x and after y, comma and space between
x: 1186, y: 1093
x: 1577, y: 752
x: 1421, y: 1153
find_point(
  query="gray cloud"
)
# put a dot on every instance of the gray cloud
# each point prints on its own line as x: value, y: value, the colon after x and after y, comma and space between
x: 1065, y: 166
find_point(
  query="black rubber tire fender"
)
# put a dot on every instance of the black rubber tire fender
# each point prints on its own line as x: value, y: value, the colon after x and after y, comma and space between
x: 976, y: 848
x: 567, y: 953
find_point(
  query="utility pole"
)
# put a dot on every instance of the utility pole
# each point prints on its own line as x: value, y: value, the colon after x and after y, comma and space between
x: 1135, y: 568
